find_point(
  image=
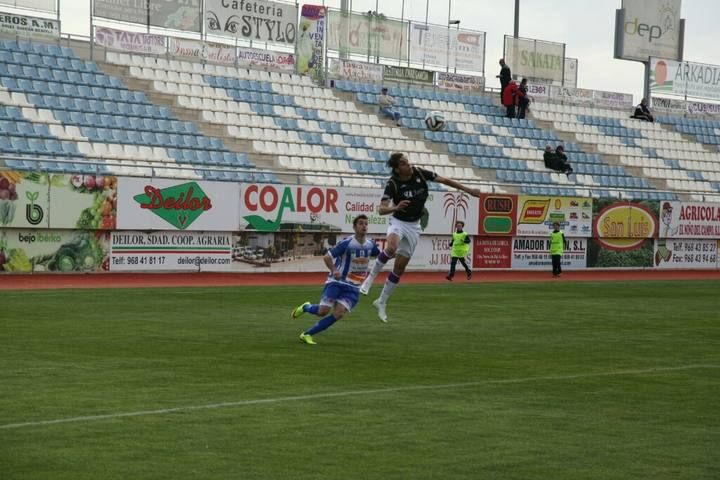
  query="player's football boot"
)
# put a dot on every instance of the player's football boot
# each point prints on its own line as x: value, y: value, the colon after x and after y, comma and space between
x: 382, y: 314
x: 305, y: 338
x: 296, y: 312
x: 365, y: 287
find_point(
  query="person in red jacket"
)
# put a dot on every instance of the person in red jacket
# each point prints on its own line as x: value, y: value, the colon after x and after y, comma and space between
x: 509, y: 98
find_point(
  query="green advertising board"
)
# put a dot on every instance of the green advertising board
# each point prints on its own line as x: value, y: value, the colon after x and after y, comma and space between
x: 26, y: 251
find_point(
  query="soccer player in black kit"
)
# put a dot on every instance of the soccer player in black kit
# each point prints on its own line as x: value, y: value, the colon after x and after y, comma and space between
x: 404, y: 197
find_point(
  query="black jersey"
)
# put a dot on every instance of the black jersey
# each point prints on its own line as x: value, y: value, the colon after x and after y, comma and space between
x: 415, y: 189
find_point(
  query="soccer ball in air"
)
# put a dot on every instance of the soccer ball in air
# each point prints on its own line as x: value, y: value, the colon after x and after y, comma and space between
x: 435, y: 121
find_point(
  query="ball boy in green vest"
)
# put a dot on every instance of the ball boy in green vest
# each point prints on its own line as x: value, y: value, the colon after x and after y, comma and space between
x: 460, y: 244
x: 557, y: 247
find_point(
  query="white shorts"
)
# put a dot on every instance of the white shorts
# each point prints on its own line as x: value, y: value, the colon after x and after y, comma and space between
x: 409, y: 233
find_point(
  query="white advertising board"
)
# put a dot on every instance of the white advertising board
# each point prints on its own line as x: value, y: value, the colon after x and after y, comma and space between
x: 164, y: 204
x: 689, y: 220
x: 685, y: 253
x: 272, y: 207
x: 534, y: 253
x: 166, y: 250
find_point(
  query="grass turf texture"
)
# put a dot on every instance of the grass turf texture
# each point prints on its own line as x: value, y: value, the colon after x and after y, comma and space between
x: 553, y: 380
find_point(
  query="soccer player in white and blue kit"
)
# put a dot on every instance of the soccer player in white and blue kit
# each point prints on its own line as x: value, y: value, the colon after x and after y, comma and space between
x: 348, y: 263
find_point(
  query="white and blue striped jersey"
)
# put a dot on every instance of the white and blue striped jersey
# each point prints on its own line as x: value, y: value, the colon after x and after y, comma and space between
x: 352, y: 260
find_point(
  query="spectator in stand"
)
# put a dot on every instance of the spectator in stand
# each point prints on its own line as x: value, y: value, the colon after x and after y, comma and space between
x: 522, y: 99
x: 509, y: 98
x: 505, y: 77
x: 642, y: 112
x: 386, y: 103
x: 557, y: 160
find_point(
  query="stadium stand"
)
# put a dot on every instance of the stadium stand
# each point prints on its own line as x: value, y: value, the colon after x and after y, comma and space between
x: 145, y: 115
x: 72, y: 117
x: 659, y: 153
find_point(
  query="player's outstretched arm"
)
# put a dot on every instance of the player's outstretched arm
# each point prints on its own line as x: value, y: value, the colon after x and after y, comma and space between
x: 385, y: 208
x: 475, y: 192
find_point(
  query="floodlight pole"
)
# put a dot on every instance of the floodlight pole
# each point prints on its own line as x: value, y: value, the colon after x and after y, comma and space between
x: 516, y: 32
x: 447, y: 54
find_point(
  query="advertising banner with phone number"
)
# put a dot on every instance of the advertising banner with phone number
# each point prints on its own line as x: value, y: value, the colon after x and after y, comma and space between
x: 170, y: 250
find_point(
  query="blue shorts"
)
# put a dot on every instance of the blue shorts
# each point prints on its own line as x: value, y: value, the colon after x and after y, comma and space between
x: 338, y: 292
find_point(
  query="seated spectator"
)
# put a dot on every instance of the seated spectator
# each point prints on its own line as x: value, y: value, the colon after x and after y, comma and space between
x: 642, y: 112
x: 557, y: 160
x: 386, y: 103
x: 509, y: 98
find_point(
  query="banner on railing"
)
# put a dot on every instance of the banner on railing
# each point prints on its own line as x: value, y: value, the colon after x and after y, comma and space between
x: 13, y: 24
x: 358, y: 71
x: 533, y: 58
x: 689, y: 79
x: 365, y: 34
x: 576, y: 96
x: 454, y: 81
x: 253, y: 57
x: 681, y: 107
x: 571, y: 72
x: 310, y: 59
x: 444, y: 47
x: 612, y: 99
x: 257, y: 21
x: 130, y: 41
x: 174, y: 14
x: 538, y: 90
x: 668, y: 105
x: 407, y: 74
x: 199, y: 50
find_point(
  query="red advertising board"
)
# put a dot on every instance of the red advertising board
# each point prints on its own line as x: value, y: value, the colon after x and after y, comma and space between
x: 492, y: 252
x: 498, y: 214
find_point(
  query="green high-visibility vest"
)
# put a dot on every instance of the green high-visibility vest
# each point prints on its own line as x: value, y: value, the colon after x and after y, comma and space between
x: 557, y: 246
x: 459, y: 247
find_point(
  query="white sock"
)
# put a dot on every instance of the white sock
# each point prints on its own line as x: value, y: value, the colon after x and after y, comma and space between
x: 387, y: 291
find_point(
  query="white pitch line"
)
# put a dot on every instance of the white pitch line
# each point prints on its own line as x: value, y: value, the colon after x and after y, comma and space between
x: 351, y: 393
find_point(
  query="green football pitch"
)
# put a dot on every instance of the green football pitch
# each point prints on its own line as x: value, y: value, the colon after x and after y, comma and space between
x: 605, y: 380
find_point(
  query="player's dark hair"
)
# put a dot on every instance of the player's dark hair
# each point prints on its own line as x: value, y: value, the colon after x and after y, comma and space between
x: 462, y: 224
x: 362, y: 216
x: 394, y: 160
